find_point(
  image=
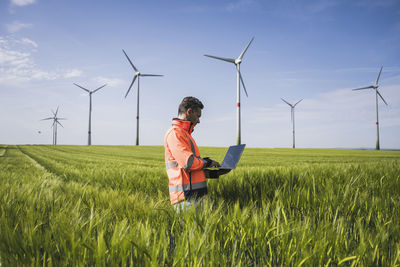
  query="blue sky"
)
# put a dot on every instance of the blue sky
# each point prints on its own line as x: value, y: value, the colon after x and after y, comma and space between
x: 311, y: 50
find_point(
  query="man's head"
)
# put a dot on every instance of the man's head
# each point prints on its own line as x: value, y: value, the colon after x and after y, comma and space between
x: 190, y: 109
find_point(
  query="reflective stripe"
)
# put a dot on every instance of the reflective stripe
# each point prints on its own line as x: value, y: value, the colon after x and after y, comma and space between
x: 177, y: 188
x: 189, y: 163
x: 171, y: 164
x: 199, y: 185
x: 194, y: 154
x: 192, y: 147
x: 186, y: 187
x: 191, y: 158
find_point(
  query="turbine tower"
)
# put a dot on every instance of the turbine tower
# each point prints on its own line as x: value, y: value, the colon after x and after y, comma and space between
x: 375, y: 87
x: 292, y: 118
x: 137, y: 75
x: 54, y: 125
x: 90, y: 110
x: 237, y: 62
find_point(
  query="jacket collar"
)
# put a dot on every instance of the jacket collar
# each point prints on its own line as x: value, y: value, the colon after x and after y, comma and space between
x: 185, y: 125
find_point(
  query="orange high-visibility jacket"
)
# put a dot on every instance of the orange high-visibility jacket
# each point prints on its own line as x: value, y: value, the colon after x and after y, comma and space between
x: 183, y: 163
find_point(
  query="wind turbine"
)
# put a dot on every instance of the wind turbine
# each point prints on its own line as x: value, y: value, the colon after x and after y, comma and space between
x: 137, y: 75
x: 54, y: 125
x: 292, y: 117
x: 237, y: 62
x: 375, y: 87
x: 90, y: 110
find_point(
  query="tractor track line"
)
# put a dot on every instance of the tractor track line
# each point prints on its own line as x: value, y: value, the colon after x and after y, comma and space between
x: 40, y: 166
x: 2, y: 155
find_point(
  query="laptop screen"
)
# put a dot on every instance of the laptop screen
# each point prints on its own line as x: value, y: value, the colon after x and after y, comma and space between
x: 232, y: 157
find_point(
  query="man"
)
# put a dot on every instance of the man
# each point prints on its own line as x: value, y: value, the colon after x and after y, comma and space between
x: 186, y: 170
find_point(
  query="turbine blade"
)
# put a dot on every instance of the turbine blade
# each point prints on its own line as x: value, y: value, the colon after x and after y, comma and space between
x: 133, y: 66
x: 379, y: 75
x: 47, y: 119
x: 98, y: 88
x: 286, y: 102
x: 297, y: 102
x: 381, y: 97
x: 61, y: 118
x: 362, y: 88
x: 222, y: 58
x: 55, y: 115
x: 155, y: 75
x: 134, y: 78
x: 244, y: 87
x: 60, y: 123
x: 82, y: 88
x: 244, y: 51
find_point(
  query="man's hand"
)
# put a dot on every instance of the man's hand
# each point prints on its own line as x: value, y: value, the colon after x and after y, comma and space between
x: 214, y: 164
x: 211, y: 163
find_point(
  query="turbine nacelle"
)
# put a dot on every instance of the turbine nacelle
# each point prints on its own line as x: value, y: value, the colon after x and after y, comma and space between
x: 291, y: 105
x: 87, y: 90
x: 374, y: 86
x: 236, y: 62
x: 137, y: 73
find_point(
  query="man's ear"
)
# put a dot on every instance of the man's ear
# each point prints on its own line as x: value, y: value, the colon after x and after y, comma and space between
x: 189, y: 112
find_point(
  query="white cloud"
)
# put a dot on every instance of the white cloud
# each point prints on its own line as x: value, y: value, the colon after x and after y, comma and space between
x: 13, y: 58
x: 113, y: 82
x: 18, y: 66
x: 29, y: 42
x: 73, y: 73
x: 17, y: 63
x: 16, y: 26
x: 22, y: 2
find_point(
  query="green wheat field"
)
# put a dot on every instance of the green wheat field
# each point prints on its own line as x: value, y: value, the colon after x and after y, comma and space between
x: 109, y: 206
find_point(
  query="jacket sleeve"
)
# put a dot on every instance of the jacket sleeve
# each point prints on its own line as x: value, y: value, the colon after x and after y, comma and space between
x: 180, y: 148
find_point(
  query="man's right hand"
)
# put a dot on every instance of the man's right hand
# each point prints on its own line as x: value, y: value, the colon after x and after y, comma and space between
x: 211, y: 163
x: 215, y: 164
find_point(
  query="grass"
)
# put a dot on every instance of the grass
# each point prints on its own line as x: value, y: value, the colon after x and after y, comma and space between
x: 109, y: 205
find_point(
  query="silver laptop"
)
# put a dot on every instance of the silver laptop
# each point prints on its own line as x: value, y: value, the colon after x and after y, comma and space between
x: 231, y: 158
